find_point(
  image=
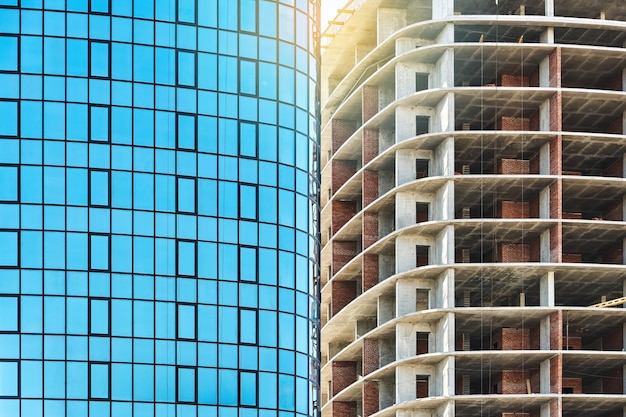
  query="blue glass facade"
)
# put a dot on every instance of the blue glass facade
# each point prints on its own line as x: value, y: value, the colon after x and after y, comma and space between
x: 158, y: 192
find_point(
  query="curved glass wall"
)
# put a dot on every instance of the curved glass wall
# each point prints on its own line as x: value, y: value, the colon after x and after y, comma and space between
x: 158, y: 190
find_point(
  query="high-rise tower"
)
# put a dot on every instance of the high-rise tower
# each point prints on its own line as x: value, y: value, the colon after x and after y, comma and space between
x: 473, y: 209
x: 157, y: 189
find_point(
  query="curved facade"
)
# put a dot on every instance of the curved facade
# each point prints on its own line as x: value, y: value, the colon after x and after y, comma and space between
x: 473, y: 209
x: 158, y: 183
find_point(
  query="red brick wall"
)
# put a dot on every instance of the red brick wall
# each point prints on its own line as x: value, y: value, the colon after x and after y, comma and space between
x: 613, y: 382
x: 342, y: 171
x: 556, y: 330
x: 510, y: 338
x: 556, y: 112
x: 573, y: 258
x: 370, y: 101
x: 534, y: 123
x: 342, y: 212
x: 369, y: 273
x: 344, y: 409
x: 535, y: 337
x: 340, y: 131
x: 614, y: 254
x: 572, y: 343
x: 514, y: 382
x: 535, y: 250
x: 513, y: 123
x: 370, y: 356
x: 514, y: 81
x: 370, y: 145
x: 370, y: 229
x: 556, y: 243
x: 556, y: 373
x: 515, y: 415
x: 615, y: 211
x: 513, y: 210
x: 533, y: 206
x: 513, y: 166
x: 370, y: 398
x: 575, y: 383
x: 513, y: 252
x: 571, y: 216
x: 343, y: 252
x: 556, y: 407
x: 616, y: 169
x: 614, y: 339
x: 344, y: 374
x: 370, y: 186
x: 555, y: 68
x: 342, y: 293
x: 533, y: 79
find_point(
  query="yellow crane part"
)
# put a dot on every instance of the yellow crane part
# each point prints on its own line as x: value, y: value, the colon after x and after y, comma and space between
x: 611, y: 303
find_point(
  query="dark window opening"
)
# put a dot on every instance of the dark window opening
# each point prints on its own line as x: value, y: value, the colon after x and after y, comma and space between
x: 422, y: 343
x: 421, y: 255
x: 421, y: 125
x: 421, y: 212
x: 421, y: 168
x: 421, y: 81
x: 421, y: 382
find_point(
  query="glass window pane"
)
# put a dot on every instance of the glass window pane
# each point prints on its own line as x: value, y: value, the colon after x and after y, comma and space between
x: 99, y: 252
x: 99, y: 59
x: 100, y: 123
x: 187, y: 258
x: 99, y: 381
x: 8, y: 53
x: 186, y: 68
x: 248, y: 388
x: 99, y: 314
x: 99, y: 191
x: 8, y: 243
x: 8, y: 314
x: 8, y: 379
x: 8, y: 183
x: 8, y: 110
x: 186, y: 384
x: 186, y: 131
x: 186, y: 321
x: 186, y: 195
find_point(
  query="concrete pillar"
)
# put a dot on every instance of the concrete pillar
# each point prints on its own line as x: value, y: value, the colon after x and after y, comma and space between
x: 405, y: 341
x: 544, y: 334
x: 405, y: 209
x: 405, y: 297
x: 549, y: 7
x: 444, y: 290
x: 442, y: 8
x: 388, y: 22
x: 446, y: 385
x: 445, y: 333
x: 443, y: 160
x: 406, y: 255
x: 544, y: 377
x: 405, y: 121
x: 443, y: 76
x: 444, y: 115
x: 405, y: 384
x: 386, y: 310
x: 546, y: 290
x: 444, y: 246
x: 444, y: 202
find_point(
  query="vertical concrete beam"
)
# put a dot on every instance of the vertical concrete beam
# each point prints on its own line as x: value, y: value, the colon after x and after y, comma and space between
x: 405, y: 209
x: 442, y: 8
x: 443, y: 161
x: 388, y: 22
x: 446, y: 385
x: 405, y: 384
x: 406, y: 343
x: 386, y: 310
x: 549, y: 7
x: 444, y: 114
x: 546, y: 290
x: 443, y: 76
x: 445, y: 290
x: 406, y: 297
x: 444, y: 202
x: 444, y: 246
x: 445, y: 333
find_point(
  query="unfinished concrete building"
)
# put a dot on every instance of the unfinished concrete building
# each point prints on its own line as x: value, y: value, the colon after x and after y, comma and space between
x: 473, y: 209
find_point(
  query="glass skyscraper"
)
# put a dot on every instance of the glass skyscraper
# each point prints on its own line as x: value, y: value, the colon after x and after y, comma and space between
x: 158, y: 206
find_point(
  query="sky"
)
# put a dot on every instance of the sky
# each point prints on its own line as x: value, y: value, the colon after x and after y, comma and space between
x: 329, y: 10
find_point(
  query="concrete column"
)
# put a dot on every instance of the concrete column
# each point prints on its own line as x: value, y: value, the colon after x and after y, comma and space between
x: 405, y: 297
x: 546, y: 290
x: 444, y: 290
x: 406, y: 255
x: 444, y: 246
x: 405, y: 121
x: 442, y: 8
x: 544, y: 334
x: 444, y: 202
x: 444, y: 115
x: 445, y: 332
x: 405, y: 341
x: 544, y: 377
x: 388, y: 22
x: 446, y: 386
x: 443, y: 76
x: 386, y: 309
x: 443, y: 160
x: 405, y: 384
x: 549, y: 7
